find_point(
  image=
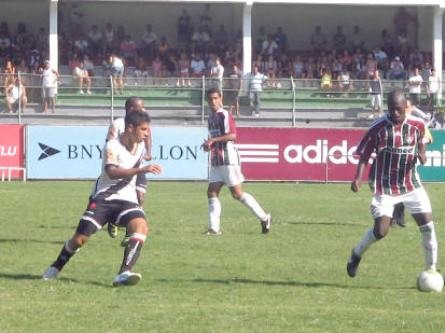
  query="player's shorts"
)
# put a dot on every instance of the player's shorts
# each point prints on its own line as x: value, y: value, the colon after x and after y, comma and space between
x: 117, y: 71
x: 49, y: 92
x: 230, y: 175
x: 416, y: 202
x: 100, y: 211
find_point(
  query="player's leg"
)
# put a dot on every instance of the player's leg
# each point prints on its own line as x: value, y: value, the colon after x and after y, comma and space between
x: 137, y: 230
x: 234, y: 178
x: 398, y: 216
x: 418, y: 204
x: 381, y: 210
x: 214, y: 207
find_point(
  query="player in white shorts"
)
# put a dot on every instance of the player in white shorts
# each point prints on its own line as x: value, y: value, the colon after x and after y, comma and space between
x: 225, y: 168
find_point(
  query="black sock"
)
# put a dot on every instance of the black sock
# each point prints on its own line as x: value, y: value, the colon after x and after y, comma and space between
x: 63, y: 258
x: 131, y: 254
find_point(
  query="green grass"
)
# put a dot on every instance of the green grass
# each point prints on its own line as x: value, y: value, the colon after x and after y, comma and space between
x: 292, y: 280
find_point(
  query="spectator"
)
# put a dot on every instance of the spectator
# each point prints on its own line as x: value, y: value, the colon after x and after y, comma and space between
x: 128, y: 49
x: 344, y: 81
x: 261, y: 38
x: 396, y: 69
x: 269, y: 47
x: 184, y: 71
x: 149, y: 41
x: 140, y: 71
x: 386, y: 43
x: 416, y: 58
x: 231, y: 95
x: 50, y: 78
x: 318, y: 40
x: 216, y: 74
x: 221, y: 37
x: 434, y: 87
x: 402, y: 19
x: 326, y: 80
x: 157, y: 66
x: 117, y: 73
x: 163, y: 48
x: 184, y: 28
x: 109, y: 39
x: 402, y: 45
x: 376, y: 91
x: 15, y: 96
x: 95, y: 40
x: 356, y: 40
x: 271, y: 69
x: 281, y: 39
x: 82, y: 77
x: 200, y: 40
x: 80, y: 44
x: 88, y: 65
x: 370, y: 65
x: 415, y: 86
x: 380, y: 56
x: 197, y: 66
x: 339, y: 40
x: 256, y: 81
x: 298, y: 67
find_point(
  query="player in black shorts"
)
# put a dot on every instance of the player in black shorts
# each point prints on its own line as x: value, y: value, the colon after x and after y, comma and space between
x: 114, y: 198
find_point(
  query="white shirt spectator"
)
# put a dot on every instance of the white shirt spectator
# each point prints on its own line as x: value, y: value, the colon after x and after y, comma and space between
x: 415, y: 84
x: 197, y: 66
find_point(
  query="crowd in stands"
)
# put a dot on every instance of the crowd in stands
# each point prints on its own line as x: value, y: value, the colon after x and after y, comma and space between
x: 201, y: 45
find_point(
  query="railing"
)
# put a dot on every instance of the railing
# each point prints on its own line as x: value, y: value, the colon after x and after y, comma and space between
x: 175, y: 92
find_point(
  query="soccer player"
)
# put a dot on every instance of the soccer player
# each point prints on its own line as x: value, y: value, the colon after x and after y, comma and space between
x: 225, y: 165
x: 132, y: 103
x: 397, y: 140
x: 114, y: 199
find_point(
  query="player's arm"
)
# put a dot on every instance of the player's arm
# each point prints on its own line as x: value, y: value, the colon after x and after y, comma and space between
x: 148, y: 146
x: 116, y: 172
x: 112, y: 132
x: 207, y: 144
x: 357, y: 181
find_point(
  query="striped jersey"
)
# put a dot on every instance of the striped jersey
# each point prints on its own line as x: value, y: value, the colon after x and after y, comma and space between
x: 220, y: 123
x: 394, y: 169
x: 118, y: 189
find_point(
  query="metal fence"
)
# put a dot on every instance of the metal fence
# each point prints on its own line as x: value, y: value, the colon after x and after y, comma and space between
x: 189, y: 92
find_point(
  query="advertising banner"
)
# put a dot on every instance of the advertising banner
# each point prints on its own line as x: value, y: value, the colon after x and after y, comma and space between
x: 304, y: 154
x: 11, y: 149
x: 434, y: 168
x: 75, y: 152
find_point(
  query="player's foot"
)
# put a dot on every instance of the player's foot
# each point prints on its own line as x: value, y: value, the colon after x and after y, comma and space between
x: 265, y: 225
x: 127, y: 278
x: 112, y: 230
x: 352, y: 265
x: 211, y: 232
x: 51, y: 273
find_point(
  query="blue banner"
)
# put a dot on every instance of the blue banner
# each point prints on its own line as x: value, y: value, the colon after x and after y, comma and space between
x: 75, y: 152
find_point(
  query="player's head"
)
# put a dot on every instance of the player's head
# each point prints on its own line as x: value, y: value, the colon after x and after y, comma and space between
x: 134, y: 103
x: 214, y: 98
x: 137, y: 125
x: 397, y: 106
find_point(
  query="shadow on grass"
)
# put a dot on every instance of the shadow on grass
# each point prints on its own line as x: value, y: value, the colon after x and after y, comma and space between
x: 15, y: 240
x: 26, y: 276
x: 295, y: 284
x: 71, y: 227
x: 329, y: 224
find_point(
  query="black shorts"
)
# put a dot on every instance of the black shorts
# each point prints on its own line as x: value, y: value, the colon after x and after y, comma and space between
x: 99, y: 212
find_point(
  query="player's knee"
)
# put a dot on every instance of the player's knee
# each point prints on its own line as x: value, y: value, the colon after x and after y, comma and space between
x: 237, y: 195
x: 379, y: 234
x: 78, y: 241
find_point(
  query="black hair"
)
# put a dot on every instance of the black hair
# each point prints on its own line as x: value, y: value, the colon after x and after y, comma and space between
x: 394, y: 97
x: 136, y: 118
x: 213, y: 91
x: 130, y: 102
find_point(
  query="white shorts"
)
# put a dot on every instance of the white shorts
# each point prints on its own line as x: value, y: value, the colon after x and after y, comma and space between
x: 416, y: 202
x: 230, y: 175
x: 376, y: 102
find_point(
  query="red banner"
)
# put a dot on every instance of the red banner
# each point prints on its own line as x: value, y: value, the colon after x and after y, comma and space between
x: 305, y: 154
x: 11, y: 149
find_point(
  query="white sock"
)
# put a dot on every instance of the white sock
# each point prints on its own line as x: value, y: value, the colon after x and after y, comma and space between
x: 429, y: 243
x: 214, y: 214
x: 366, y: 241
x: 250, y: 202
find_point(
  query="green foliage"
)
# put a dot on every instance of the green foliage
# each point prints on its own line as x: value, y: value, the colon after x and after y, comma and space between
x: 292, y: 280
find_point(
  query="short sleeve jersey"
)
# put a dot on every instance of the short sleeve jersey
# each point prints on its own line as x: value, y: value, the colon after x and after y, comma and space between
x: 394, y: 170
x: 220, y: 123
x: 118, y: 189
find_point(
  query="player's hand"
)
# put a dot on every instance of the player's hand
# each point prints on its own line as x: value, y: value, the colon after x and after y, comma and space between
x: 206, y: 145
x: 152, y: 168
x: 355, y: 185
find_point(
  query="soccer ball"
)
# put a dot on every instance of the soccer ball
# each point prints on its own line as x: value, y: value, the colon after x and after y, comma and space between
x: 430, y: 281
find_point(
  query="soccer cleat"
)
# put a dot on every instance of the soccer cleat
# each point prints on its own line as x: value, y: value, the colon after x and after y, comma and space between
x: 265, y: 225
x: 352, y: 265
x: 51, y: 273
x: 127, y: 278
x: 211, y: 232
x: 112, y: 230
x: 125, y: 241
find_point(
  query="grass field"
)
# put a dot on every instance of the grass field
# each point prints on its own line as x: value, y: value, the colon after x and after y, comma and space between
x: 292, y: 280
